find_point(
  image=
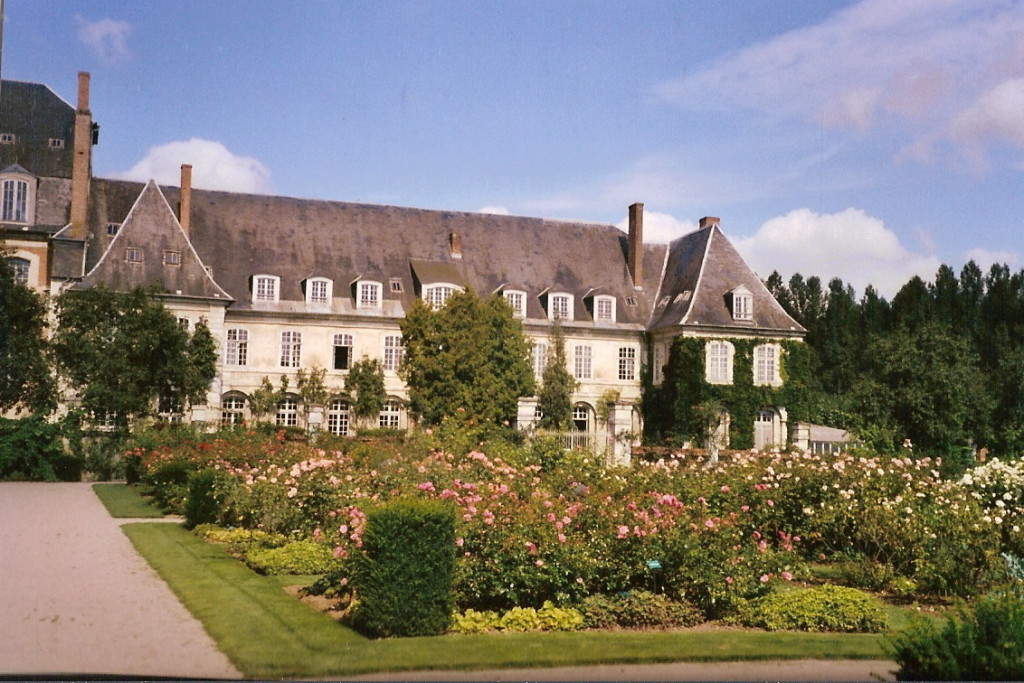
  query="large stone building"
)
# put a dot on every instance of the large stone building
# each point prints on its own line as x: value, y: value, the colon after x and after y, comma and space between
x: 287, y: 283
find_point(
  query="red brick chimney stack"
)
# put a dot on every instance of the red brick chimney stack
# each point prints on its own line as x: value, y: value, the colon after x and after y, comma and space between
x: 455, y: 244
x: 635, y: 255
x: 185, y: 200
x: 81, y: 165
x: 708, y: 221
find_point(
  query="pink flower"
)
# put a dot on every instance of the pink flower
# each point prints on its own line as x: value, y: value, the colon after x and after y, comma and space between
x: 725, y: 489
x: 623, y: 531
x: 427, y: 486
x: 764, y: 578
x: 787, y: 576
x: 561, y: 538
x: 539, y: 563
x: 745, y: 508
x: 771, y: 503
x: 459, y: 541
x: 709, y: 524
x: 579, y: 580
x: 729, y: 580
x: 343, y: 528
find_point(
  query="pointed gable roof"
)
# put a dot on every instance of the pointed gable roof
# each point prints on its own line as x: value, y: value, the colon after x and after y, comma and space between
x: 152, y: 228
x: 703, y: 269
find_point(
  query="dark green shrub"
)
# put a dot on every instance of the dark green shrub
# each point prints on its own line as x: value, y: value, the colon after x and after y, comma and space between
x: 31, y: 449
x: 170, y: 482
x: 827, y: 608
x: 298, y: 557
x: 207, y: 491
x: 638, y: 609
x: 983, y: 644
x: 403, y: 578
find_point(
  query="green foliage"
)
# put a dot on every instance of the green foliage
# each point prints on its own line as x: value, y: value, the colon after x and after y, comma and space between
x: 982, y: 644
x: 404, y: 574
x: 263, y: 400
x: 678, y: 409
x: 208, y: 490
x: 26, y: 380
x: 31, y: 449
x: 472, y: 621
x: 638, y: 609
x: 827, y: 608
x: 557, y: 384
x: 519, y: 620
x: 122, y: 350
x: 312, y: 388
x: 297, y: 557
x: 365, y: 384
x: 240, y: 539
x: 468, y: 358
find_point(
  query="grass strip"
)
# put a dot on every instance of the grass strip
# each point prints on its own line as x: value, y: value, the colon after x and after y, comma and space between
x: 126, y: 502
x: 267, y: 634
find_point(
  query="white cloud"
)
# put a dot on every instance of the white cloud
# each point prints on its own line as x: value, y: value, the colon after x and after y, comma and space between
x: 986, y: 258
x: 850, y: 245
x: 214, y: 167
x: 881, y: 63
x: 497, y: 210
x: 108, y: 38
x: 660, y: 228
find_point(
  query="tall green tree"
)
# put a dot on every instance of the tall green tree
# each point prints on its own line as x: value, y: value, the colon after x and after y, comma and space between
x: 26, y: 377
x: 365, y: 385
x: 557, y: 384
x: 470, y: 354
x: 119, y: 351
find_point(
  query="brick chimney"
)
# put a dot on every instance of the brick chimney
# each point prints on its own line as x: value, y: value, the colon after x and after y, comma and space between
x: 635, y: 254
x: 185, y: 200
x: 81, y: 165
x: 708, y: 221
x: 455, y: 244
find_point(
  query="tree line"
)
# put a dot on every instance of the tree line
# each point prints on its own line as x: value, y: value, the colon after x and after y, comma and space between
x: 941, y: 365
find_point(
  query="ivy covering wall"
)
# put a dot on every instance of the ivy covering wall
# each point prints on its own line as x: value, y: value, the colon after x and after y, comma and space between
x: 670, y: 410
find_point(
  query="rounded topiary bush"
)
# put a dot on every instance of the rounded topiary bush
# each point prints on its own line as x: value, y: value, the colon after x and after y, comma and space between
x: 827, y: 608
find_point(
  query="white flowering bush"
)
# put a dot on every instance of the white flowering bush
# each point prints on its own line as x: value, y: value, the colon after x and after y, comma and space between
x: 998, y: 486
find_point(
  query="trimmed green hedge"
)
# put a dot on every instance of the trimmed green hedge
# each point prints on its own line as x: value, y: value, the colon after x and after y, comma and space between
x: 828, y: 608
x: 403, y: 578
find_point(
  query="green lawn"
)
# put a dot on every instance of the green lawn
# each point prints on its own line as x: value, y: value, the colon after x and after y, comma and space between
x: 126, y: 502
x: 267, y: 634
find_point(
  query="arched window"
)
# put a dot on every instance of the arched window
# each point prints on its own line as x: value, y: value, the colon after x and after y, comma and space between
x: 232, y: 410
x: 287, y: 412
x: 338, y: 417
x: 21, y: 269
x: 391, y: 415
x: 15, y: 206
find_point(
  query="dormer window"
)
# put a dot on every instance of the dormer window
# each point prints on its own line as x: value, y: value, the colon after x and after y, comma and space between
x: 319, y: 291
x: 560, y: 306
x: 604, y: 309
x: 437, y: 295
x: 266, y: 288
x: 112, y: 228
x: 742, y: 304
x: 56, y: 143
x: 396, y: 285
x: 368, y: 294
x: 7, y: 139
x: 16, y: 201
x: 517, y: 300
x: 133, y: 255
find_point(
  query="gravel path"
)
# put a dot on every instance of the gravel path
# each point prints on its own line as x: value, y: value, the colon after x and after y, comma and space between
x: 76, y: 598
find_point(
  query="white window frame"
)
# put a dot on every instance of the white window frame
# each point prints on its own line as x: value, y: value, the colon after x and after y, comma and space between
x: 266, y: 289
x: 517, y: 300
x: 22, y: 269
x: 540, y: 359
x: 560, y: 306
x: 369, y: 295
x: 766, y: 365
x: 718, y: 361
x: 604, y: 309
x: 232, y: 410
x: 134, y: 255
x: 287, y: 414
x: 390, y: 415
x: 581, y: 413
x: 742, y: 304
x: 172, y: 257
x: 319, y: 292
x: 583, y: 361
x: 627, y: 364
x: 236, y: 348
x: 393, y: 352
x: 291, y: 349
x: 113, y: 228
x: 16, y: 199
x: 437, y: 293
x: 339, y: 417
x: 342, y: 340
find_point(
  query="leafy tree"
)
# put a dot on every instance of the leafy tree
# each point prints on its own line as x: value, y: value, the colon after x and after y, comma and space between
x: 470, y: 354
x: 263, y: 400
x: 557, y: 385
x: 312, y: 388
x: 365, y: 384
x: 119, y: 351
x: 26, y: 379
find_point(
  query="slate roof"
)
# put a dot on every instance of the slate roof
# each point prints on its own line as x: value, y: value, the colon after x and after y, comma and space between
x: 152, y: 227
x: 35, y: 114
x: 702, y: 270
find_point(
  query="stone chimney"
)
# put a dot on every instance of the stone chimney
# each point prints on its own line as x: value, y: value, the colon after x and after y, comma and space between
x: 455, y: 244
x: 185, y: 200
x: 709, y: 221
x: 81, y: 165
x: 635, y: 254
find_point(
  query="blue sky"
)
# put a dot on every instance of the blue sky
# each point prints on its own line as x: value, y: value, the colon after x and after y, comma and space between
x: 870, y: 140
